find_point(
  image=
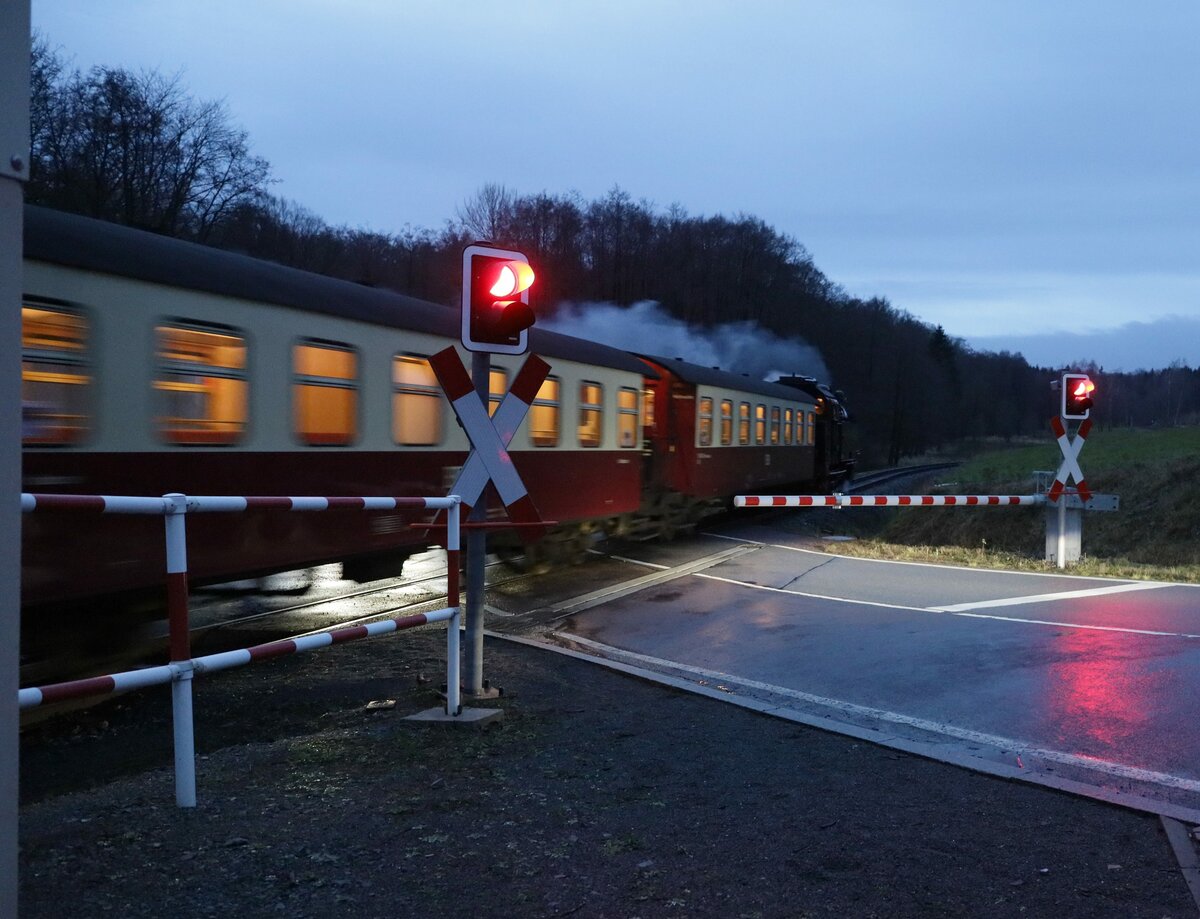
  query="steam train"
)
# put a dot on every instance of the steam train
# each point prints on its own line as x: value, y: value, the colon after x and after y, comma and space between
x: 153, y: 365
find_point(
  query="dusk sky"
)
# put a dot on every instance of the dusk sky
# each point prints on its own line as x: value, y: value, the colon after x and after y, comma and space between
x: 1011, y: 171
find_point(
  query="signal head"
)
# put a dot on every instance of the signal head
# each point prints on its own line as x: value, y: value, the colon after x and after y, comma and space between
x: 495, y: 300
x: 1077, y: 389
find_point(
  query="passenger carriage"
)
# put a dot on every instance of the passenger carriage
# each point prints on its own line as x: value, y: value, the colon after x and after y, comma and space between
x: 154, y: 365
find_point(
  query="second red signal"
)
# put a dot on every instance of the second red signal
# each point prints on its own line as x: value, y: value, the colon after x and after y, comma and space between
x: 1077, y: 389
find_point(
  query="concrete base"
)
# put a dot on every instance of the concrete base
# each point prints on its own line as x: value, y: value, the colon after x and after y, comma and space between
x: 468, y: 717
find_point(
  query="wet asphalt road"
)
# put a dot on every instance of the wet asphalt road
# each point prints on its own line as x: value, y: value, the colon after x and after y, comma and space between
x: 1087, y: 680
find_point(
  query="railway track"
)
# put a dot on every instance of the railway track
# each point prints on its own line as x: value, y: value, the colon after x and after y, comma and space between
x: 868, y: 480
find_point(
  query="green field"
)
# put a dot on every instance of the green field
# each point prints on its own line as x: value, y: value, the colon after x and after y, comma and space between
x: 1155, y: 534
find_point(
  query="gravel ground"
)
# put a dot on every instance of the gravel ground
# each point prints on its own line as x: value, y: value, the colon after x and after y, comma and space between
x: 599, y: 795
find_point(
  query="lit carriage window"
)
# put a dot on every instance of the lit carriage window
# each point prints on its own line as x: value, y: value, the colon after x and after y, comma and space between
x: 416, y: 402
x: 202, y: 382
x: 787, y: 425
x: 706, y: 422
x: 54, y: 376
x: 726, y: 422
x: 743, y: 423
x: 774, y: 424
x: 497, y: 387
x: 811, y: 437
x: 325, y: 393
x: 760, y: 424
x: 627, y: 417
x: 543, y: 415
x: 591, y: 414
x: 648, y: 408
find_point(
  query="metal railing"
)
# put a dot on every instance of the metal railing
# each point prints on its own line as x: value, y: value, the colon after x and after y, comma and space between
x: 174, y: 509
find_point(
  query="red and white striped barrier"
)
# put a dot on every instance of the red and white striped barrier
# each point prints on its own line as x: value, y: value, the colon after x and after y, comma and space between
x: 179, y: 672
x: 225, y: 660
x: 122, y: 504
x: 887, y: 500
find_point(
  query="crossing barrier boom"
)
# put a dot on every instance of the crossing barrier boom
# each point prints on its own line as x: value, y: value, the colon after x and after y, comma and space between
x: 839, y: 500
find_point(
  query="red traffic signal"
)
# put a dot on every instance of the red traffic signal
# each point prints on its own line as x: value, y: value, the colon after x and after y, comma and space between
x: 495, y: 300
x: 1077, y: 389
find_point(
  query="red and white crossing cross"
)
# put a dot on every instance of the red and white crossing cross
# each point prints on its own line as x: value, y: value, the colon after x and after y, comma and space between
x: 1070, y: 464
x: 489, y: 459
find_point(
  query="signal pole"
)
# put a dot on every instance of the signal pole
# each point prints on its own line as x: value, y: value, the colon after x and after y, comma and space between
x: 495, y: 318
x: 476, y: 553
x: 1064, y: 524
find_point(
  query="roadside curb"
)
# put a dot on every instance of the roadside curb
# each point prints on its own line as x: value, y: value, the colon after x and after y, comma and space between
x: 928, y: 751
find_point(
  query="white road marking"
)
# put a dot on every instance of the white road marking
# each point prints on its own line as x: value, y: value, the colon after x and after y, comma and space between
x: 968, y: 614
x: 1045, y: 598
x: 631, y: 561
x: 1120, y: 770
x: 967, y: 609
x: 800, y: 593
x: 897, y: 561
x: 617, y: 591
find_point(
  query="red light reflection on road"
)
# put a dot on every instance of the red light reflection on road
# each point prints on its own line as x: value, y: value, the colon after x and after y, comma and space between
x: 1103, y: 688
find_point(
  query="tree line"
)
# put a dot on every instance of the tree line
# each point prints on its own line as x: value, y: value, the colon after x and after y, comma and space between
x: 137, y: 149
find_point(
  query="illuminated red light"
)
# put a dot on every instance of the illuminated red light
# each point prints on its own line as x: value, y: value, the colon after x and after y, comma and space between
x: 1084, y: 388
x: 513, y: 278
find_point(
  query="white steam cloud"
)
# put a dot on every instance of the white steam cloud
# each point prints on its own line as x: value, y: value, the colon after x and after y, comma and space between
x: 646, y: 328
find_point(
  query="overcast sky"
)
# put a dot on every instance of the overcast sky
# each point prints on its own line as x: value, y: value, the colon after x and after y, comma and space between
x: 1009, y: 170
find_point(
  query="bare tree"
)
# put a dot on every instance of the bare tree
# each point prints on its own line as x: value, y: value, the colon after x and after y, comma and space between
x: 136, y: 148
x: 488, y: 216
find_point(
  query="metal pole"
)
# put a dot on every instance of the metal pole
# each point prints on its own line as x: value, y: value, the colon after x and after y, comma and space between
x: 14, y: 169
x: 183, y: 725
x: 476, y: 552
x: 454, y: 598
x: 175, y: 523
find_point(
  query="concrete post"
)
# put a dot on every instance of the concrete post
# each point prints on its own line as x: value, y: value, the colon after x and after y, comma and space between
x: 14, y: 169
x: 1064, y: 533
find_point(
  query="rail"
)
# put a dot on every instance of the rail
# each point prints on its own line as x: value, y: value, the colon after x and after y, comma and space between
x: 879, y: 476
x: 182, y: 667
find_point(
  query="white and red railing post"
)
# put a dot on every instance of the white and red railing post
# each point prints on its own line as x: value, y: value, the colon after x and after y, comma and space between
x: 179, y: 639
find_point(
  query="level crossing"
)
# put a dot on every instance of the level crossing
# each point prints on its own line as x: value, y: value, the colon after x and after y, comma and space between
x: 1077, y: 682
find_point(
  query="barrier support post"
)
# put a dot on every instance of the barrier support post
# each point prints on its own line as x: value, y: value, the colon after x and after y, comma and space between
x: 175, y: 521
x: 454, y: 599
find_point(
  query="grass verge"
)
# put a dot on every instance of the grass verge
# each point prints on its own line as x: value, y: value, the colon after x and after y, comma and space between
x: 1154, y: 536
